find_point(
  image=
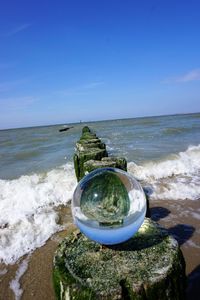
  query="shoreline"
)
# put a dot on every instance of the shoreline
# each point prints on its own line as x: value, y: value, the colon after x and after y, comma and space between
x: 36, y: 282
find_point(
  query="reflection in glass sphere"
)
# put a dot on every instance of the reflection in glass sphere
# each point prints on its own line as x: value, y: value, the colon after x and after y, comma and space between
x: 109, y: 206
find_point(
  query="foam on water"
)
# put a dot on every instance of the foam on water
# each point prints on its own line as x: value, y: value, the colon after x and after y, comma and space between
x: 15, y: 283
x: 3, y: 272
x: 176, y: 177
x: 192, y: 244
x: 27, y: 205
x: 195, y: 215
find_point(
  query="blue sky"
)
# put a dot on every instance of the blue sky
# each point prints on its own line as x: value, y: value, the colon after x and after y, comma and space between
x: 65, y: 61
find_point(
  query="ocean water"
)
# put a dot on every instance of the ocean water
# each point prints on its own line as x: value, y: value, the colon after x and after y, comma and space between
x: 37, y: 174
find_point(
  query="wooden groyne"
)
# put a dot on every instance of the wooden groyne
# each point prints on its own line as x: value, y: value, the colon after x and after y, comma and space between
x: 149, y: 266
x: 91, y: 154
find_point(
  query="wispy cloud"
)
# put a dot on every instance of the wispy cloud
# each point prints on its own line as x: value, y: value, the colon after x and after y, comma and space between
x: 80, y: 90
x: 192, y: 75
x: 92, y: 85
x: 9, y: 85
x: 17, y: 103
x: 16, y: 29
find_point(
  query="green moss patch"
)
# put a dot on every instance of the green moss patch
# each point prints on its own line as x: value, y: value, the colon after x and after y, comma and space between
x: 148, y: 266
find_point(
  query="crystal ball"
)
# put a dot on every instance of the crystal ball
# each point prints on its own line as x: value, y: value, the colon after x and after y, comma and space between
x: 108, y: 206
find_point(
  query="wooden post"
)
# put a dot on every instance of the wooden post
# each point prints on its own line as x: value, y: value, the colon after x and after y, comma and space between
x: 149, y: 266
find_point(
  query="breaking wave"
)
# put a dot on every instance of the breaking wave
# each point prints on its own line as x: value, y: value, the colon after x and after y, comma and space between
x: 28, y: 218
x: 176, y: 177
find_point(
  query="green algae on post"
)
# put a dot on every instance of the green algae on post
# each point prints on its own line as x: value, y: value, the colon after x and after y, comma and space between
x: 149, y: 266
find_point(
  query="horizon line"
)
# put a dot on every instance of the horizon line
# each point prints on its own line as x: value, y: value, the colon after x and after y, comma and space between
x: 104, y: 120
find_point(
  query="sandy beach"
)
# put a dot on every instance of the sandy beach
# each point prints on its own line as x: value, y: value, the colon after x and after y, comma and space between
x: 36, y: 282
x: 176, y: 217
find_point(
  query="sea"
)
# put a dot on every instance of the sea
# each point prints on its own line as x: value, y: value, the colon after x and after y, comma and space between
x: 37, y: 173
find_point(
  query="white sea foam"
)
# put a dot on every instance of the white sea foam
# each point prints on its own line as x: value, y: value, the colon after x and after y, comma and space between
x: 109, y: 148
x: 27, y: 205
x: 176, y: 177
x: 15, y: 283
x: 195, y: 215
x: 3, y: 272
x: 192, y: 244
x: 184, y: 163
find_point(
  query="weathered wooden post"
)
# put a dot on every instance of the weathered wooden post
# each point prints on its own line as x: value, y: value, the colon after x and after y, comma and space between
x: 91, y: 154
x: 149, y: 266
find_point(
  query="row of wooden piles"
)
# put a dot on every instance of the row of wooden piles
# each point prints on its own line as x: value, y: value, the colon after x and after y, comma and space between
x: 150, y: 266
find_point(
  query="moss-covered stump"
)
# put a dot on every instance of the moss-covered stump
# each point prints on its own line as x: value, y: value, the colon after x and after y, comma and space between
x: 91, y: 154
x: 83, y: 156
x: 90, y: 148
x: 148, y: 266
x: 114, y: 162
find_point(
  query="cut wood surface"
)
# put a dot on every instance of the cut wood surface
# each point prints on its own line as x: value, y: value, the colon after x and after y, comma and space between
x: 148, y: 266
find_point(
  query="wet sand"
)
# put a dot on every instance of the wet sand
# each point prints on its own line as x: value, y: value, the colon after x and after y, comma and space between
x: 180, y: 217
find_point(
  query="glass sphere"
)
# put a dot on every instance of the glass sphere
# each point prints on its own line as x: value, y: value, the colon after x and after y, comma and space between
x: 109, y: 206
